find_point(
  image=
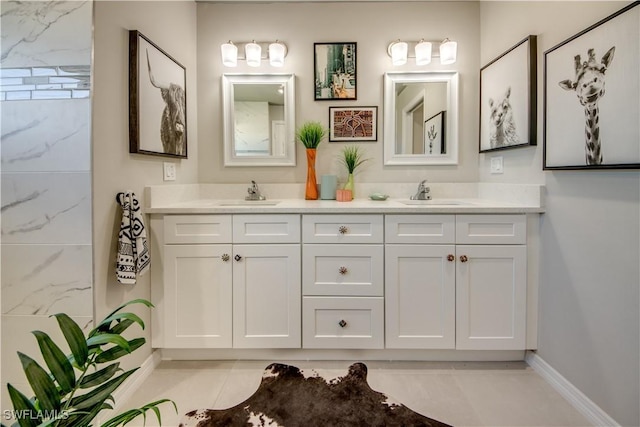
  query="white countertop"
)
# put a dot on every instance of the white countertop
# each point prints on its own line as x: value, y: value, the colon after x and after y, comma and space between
x: 209, y: 200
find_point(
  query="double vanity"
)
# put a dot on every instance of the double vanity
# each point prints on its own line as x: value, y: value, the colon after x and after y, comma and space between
x: 384, y: 278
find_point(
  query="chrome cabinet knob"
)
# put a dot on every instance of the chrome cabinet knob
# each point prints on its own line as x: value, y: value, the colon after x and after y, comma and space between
x: 463, y: 258
x: 343, y: 229
x: 450, y: 257
x: 225, y: 257
x: 237, y: 257
x: 342, y: 323
x: 343, y: 270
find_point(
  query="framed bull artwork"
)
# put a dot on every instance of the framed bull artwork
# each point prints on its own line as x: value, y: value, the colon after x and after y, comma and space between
x: 157, y: 100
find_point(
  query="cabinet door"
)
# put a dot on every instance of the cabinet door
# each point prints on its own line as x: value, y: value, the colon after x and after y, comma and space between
x: 197, y: 296
x: 420, y: 296
x: 266, y: 296
x: 491, y: 303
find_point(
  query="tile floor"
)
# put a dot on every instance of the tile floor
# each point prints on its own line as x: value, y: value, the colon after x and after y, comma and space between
x: 457, y: 393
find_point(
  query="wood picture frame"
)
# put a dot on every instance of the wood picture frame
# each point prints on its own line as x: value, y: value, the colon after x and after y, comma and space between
x: 157, y: 100
x: 351, y: 124
x: 586, y: 126
x: 335, y: 71
x: 508, y: 98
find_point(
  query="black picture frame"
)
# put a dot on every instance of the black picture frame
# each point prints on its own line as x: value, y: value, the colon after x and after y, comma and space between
x: 435, y: 134
x: 335, y: 71
x: 599, y: 129
x: 353, y: 124
x: 157, y: 100
x: 508, y: 98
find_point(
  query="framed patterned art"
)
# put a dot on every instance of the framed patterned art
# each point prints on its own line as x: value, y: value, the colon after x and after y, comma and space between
x: 350, y: 124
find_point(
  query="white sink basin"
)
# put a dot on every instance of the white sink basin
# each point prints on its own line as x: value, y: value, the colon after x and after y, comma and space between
x: 432, y: 202
x: 248, y: 202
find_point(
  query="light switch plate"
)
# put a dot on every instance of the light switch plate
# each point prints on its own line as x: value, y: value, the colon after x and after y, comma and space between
x: 169, y: 171
x: 496, y: 165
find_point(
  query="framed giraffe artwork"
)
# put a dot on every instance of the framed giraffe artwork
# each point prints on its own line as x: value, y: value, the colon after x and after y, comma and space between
x: 508, y: 98
x: 592, y: 96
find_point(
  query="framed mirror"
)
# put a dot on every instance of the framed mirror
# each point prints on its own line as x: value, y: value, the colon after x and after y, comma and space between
x: 259, y: 119
x: 421, y: 118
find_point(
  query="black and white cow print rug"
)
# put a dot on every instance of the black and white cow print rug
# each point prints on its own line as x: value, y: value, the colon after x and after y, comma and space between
x: 288, y: 398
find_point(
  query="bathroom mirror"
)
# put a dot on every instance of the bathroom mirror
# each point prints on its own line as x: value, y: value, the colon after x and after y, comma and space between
x: 259, y: 119
x: 421, y: 118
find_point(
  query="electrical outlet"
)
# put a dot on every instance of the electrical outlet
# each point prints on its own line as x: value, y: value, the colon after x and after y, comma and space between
x: 496, y: 165
x: 169, y: 171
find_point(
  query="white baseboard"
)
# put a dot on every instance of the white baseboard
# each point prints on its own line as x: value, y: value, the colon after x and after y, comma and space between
x: 592, y: 412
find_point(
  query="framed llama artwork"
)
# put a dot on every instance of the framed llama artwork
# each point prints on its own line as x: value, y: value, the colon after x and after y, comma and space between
x: 508, y: 99
x: 434, y: 135
x: 592, y: 96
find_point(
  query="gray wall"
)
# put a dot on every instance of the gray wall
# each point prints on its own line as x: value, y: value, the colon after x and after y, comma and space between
x: 590, y: 238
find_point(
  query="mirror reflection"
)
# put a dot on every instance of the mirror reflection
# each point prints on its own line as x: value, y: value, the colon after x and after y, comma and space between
x: 421, y: 118
x: 259, y: 120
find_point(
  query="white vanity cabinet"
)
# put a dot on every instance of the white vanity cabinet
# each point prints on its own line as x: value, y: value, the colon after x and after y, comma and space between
x: 266, y: 281
x: 456, y: 281
x: 343, y: 273
x: 231, y: 281
x: 197, y: 281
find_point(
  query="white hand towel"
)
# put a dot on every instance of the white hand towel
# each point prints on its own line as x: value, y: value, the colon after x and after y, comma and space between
x: 133, y: 253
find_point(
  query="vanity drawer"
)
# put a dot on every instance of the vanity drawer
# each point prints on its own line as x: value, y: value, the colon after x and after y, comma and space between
x: 491, y: 229
x: 343, y: 270
x: 347, y: 322
x: 266, y: 228
x: 439, y: 229
x: 342, y: 229
x: 185, y: 229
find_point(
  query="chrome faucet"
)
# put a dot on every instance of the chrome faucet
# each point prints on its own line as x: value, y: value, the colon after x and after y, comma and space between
x: 254, y: 192
x: 423, y: 193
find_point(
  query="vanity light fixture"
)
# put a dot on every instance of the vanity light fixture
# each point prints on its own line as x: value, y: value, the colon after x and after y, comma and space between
x: 422, y: 51
x: 253, y: 52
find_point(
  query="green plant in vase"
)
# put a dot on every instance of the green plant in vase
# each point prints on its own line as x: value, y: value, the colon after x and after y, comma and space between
x: 310, y: 135
x: 79, y: 386
x: 352, y: 158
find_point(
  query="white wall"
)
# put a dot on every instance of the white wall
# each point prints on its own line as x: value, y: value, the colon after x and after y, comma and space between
x: 171, y: 25
x: 373, y: 26
x: 590, y: 233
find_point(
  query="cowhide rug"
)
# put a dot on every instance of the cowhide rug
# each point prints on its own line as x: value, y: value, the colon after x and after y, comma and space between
x: 287, y: 398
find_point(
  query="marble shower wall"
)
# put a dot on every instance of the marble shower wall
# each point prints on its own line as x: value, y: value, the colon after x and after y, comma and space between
x: 46, y: 173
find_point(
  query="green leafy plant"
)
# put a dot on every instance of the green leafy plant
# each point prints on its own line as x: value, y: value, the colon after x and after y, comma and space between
x: 311, y: 134
x: 352, y: 157
x: 79, y: 386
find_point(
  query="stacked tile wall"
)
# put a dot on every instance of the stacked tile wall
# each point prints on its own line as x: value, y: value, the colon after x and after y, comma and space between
x: 46, y: 241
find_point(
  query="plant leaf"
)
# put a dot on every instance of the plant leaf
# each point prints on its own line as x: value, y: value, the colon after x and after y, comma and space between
x: 98, y: 395
x: 100, y: 339
x: 116, y: 352
x: 75, y: 338
x: 121, y: 326
x: 130, y: 415
x: 100, y: 376
x: 41, y: 383
x: 135, y: 301
x: 105, y: 325
x: 57, y: 362
x: 21, y: 403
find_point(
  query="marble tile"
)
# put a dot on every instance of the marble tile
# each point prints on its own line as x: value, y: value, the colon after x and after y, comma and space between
x: 46, y: 136
x: 40, y: 33
x: 46, y: 208
x: 47, y: 279
x: 238, y: 387
x: 16, y: 336
x: 502, y: 399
